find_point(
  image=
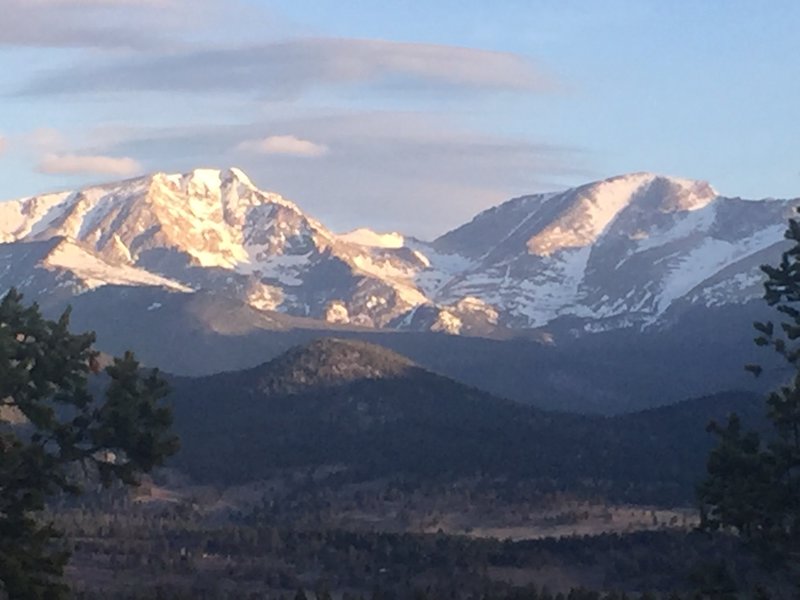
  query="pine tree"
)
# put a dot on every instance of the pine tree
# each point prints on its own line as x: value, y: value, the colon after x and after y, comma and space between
x: 753, y: 485
x: 54, y: 435
x: 300, y: 595
x: 714, y: 581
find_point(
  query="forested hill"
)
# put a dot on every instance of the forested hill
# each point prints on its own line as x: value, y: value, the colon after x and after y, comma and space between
x: 353, y: 404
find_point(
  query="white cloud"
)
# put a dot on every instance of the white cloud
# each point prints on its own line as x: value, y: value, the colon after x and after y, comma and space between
x: 78, y: 164
x: 3, y: 144
x: 284, y: 144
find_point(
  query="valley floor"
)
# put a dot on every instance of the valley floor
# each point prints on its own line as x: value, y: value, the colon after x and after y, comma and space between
x: 464, y: 540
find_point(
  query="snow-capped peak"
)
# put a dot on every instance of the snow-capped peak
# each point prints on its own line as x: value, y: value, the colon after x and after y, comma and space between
x: 210, y: 178
x: 545, y: 224
x: 216, y: 217
x: 214, y: 179
x: 240, y: 176
x: 592, y: 208
x: 626, y: 248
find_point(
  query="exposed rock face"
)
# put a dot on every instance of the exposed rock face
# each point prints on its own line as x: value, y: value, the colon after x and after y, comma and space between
x: 627, y: 251
x: 210, y: 230
x: 617, y: 252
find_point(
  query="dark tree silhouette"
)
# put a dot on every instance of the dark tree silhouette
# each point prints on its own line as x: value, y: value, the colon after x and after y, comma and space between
x: 54, y: 436
x: 753, y: 483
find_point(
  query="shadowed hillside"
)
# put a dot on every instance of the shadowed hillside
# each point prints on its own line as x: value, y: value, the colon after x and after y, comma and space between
x: 606, y: 373
x: 373, y: 412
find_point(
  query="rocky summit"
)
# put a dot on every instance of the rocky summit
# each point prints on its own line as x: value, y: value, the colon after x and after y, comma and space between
x: 628, y: 251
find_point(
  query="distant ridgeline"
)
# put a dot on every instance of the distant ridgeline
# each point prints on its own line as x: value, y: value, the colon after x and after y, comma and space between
x: 358, y: 406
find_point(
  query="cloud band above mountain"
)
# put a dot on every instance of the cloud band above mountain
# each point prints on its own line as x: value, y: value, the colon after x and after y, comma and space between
x: 285, y: 69
x: 77, y: 164
x: 384, y: 169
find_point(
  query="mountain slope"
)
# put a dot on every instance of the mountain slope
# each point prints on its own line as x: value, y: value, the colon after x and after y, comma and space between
x: 213, y: 230
x: 362, y: 408
x: 632, y: 250
x: 615, y: 252
x: 607, y: 372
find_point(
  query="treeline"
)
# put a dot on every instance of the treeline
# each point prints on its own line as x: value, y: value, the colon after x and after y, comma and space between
x: 171, y: 592
x: 131, y: 550
x: 235, y: 429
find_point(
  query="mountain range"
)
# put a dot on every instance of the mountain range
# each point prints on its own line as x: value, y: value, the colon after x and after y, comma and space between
x: 631, y: 251
x: 612, y: 297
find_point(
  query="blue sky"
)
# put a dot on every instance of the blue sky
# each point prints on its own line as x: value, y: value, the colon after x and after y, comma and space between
x: 401, y: 115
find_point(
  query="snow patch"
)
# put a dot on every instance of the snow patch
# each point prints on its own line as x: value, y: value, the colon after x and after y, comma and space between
x: 210, y: 178
x: 593, y: 210
x: 95, y: 272
x: 373, y: 239
x: 709, y: 258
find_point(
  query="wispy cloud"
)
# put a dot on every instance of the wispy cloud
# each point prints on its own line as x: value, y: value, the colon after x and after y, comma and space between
x: 283, y: 144
x: 85, y: 3
x: 289, y: 68
x: 82, y: 164
x: 419, y: 173
x: 111, y: 24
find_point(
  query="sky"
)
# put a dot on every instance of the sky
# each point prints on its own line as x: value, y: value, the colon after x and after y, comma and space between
x: 408, y: 115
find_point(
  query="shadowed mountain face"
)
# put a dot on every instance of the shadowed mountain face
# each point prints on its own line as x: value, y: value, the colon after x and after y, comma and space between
x: 607, y: 372
x: 330, y: 362
x: 628, y: 251
x: 359, y: 407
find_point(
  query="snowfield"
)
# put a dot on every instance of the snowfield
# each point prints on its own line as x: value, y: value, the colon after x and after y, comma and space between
x: 626, y: 248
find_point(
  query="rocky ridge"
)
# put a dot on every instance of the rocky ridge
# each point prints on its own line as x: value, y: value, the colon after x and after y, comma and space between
x: 631, y: 250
